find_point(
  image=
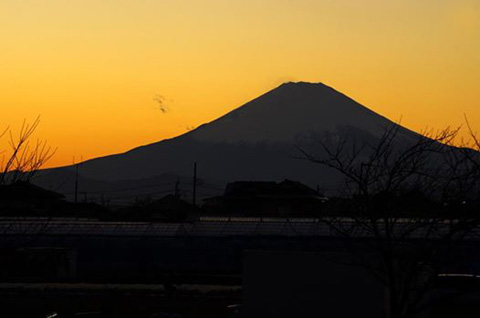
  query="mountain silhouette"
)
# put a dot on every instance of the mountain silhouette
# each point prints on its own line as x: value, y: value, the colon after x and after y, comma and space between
x: 256, y: 141
x: 288, y: 111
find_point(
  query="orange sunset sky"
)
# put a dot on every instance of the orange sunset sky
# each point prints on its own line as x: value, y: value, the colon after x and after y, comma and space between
x: 93, y: 68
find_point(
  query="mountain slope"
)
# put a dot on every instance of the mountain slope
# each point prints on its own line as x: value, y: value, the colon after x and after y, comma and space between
x: 253, y: 142
x: 289, y: 110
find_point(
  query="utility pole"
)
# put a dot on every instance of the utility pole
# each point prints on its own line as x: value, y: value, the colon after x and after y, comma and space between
x: 76, y: 183
x: 194, y: 185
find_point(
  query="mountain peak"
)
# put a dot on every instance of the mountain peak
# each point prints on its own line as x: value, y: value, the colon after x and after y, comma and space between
x: 288, y: 111
x: 303, y: 85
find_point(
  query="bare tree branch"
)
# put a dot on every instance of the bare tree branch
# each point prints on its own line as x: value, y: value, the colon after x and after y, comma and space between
x: 385, y: 178
x: 24, y: 160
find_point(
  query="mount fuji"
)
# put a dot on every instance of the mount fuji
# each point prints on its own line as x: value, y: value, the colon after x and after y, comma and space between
x: 256, y: 141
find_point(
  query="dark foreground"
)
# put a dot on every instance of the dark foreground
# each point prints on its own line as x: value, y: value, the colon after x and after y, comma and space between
x: 87, y: 300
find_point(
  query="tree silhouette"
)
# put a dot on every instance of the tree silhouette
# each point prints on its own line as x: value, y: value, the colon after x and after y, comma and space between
x: 409, y: 203
x: 23, y: 158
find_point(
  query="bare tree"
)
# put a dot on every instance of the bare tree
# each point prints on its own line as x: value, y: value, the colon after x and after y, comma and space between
x: 474, y: 144
x: 24, y: 158
x: 406, y: 207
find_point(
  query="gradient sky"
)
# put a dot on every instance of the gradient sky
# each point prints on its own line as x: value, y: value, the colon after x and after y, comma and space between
x: 93, y: 68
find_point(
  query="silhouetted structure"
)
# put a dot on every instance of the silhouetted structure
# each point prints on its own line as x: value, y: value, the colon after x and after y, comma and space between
x: 27, y: 191
x: 23, y: 198
x: 170, y: 208
x: 255, y: 198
